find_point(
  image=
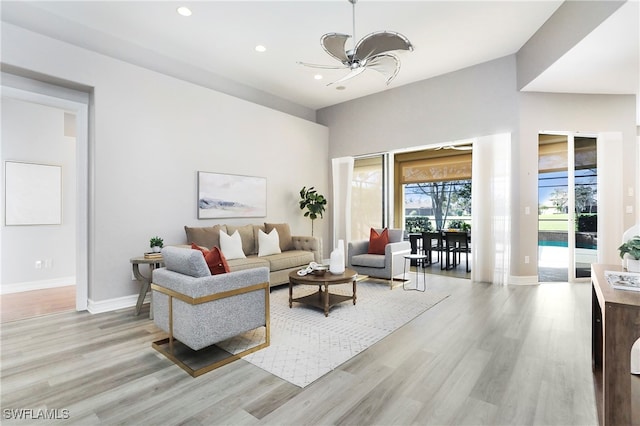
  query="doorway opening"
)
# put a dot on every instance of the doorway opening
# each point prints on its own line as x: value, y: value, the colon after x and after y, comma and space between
x: 63, y: 261
x: 433, y: 193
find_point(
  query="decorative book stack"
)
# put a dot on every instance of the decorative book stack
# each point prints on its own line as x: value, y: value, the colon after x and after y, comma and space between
x: 152, y: 255
x: 623, y: 280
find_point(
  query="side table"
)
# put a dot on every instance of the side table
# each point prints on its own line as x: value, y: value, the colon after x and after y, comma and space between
x: 145, y: 282
x: 419, y: 260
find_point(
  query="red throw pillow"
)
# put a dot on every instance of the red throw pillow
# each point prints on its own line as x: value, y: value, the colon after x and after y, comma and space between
x: 215, y: 259
x: 377, y: 242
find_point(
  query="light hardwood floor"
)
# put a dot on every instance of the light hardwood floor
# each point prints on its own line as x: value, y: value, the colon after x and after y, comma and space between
x: 487, y: 355
x: 28, y: 304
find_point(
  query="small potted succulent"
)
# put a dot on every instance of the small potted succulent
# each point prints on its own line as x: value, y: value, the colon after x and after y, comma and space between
x: 631, y: 249
x: 156, y: 244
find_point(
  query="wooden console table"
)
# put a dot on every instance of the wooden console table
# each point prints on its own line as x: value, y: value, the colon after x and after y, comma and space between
x: 615, y: 328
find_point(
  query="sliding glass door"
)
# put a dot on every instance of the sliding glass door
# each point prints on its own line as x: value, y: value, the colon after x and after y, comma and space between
x: 567, y: 207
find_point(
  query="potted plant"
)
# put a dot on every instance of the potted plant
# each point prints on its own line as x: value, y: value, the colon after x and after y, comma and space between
x: 314, y: 203
x: 156, y: 244
x: 631, y: 248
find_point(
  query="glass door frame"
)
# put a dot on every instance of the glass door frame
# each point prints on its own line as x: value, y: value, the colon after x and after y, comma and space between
x: 571, y: 200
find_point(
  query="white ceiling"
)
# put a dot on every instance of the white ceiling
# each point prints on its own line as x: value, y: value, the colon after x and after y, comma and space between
x: 220, y: 37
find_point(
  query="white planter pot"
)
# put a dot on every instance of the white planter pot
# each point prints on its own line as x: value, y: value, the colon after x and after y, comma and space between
x: 633, y: 265
x: 156, y: 249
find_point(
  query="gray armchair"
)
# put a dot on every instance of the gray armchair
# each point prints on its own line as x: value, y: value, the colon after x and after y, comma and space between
x: 198, y: 309
x: 386, y: 266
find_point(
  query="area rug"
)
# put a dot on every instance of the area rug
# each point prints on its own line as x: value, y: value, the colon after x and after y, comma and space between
x: 305, y: 345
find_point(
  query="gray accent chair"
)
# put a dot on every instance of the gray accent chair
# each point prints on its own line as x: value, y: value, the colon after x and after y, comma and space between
x: 386, y: 266
x: 198, y: 309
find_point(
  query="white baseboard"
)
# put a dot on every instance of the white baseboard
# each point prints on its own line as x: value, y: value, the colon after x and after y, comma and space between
x: 113, y: 304
x: 37, y: 285
x: 523, y: 280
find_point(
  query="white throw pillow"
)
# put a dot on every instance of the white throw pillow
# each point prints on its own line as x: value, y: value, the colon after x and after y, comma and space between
x: 268, y: 243
x: 231, y: 246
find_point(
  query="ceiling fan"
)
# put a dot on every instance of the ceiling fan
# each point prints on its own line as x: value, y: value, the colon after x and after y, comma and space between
x: 372, y: 52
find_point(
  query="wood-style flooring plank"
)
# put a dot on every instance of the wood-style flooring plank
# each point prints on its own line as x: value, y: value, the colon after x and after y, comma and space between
x: 486, y: 355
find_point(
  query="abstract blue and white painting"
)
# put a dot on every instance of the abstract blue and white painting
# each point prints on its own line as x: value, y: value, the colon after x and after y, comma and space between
x: 224, y: 195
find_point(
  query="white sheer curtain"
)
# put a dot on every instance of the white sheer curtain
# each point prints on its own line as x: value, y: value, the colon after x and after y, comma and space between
x: 609, y: 149
x: 342, y: 174
x: 490, y: 206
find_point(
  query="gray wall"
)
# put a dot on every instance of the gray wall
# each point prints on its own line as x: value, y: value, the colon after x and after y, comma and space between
x: 589, y: 114
x: 150, y: 134
x: 478, y: 101
x: 34, y: 133
x: 472, y: 102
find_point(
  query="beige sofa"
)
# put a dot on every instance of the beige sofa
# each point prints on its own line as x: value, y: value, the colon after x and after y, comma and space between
x: 296, y: 251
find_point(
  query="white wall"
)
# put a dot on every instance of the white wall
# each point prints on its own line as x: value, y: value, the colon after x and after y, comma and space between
x: 34, y: 133
x: 150, y: 134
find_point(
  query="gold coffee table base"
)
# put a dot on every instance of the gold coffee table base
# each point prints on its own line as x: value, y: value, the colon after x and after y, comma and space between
x: 323, y: 299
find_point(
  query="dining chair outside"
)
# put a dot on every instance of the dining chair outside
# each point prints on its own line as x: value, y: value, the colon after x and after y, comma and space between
x: 456, y: 243
x: 432, y: 241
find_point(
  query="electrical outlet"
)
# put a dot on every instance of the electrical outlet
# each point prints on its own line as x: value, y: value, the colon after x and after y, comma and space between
x: 48, y: 263
x: 526, y: 259
x: 38, y: 264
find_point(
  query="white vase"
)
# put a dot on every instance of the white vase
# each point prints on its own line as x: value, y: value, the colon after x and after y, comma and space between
x: 336, y: 261
x: 633, y: 265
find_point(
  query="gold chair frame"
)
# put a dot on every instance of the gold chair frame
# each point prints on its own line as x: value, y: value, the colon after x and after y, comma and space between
x: 160, y: 345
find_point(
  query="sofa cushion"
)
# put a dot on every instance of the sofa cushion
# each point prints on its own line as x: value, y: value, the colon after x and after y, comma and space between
x: 369, y: 260
x: 247, y: 263
x: 215, y: 259
x: 231, y: 245
x: 289, y: 259
x: 378, y: 241
x: 185, y: 261
x: 268, y: 243
x: 205, y: 236
x: 248, y: 237
x: 284, y: 234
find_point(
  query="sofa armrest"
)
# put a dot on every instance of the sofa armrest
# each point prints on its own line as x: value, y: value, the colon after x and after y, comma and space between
x: 204, y: 286
x: 307, y: 243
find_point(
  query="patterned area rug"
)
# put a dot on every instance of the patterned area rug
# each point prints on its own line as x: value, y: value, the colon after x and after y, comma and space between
x: 305, y: 345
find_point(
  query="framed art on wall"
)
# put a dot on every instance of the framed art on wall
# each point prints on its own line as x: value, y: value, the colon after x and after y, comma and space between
x: 33, y: 194
x: 225, y: 196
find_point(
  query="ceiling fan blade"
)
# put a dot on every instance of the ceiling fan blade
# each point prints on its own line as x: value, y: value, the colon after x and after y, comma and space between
x: 354, y: 72
x: 327, y: 67
x: 386, y: 64
x: 380, y: 42
x: 333, y: 44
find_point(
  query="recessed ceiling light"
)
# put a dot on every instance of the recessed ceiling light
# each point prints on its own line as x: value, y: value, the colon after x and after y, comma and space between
x: 184, y: 11
x: 261, y: 48
x: 318, y: 77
